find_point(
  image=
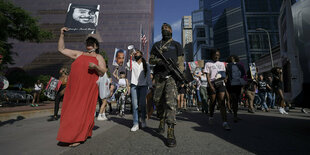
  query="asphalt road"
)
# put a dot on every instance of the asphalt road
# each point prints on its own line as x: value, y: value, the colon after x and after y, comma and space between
x: 259, y: 133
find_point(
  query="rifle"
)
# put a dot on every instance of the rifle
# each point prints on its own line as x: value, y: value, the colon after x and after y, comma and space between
x: 171, y: 66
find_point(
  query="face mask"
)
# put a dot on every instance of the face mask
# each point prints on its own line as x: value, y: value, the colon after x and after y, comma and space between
x: 138, y: 57
x: 166, y: 34
x: 92, y: 50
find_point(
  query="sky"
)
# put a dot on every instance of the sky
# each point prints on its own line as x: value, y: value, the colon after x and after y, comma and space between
x: 171, y: 12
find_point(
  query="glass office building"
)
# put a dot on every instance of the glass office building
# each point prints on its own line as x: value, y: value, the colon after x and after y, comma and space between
x: 202, y: 32
x: 235, y: 22
x: 119, y: 26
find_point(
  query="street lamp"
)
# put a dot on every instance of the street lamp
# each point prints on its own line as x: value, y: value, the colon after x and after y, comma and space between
x: 270, y: 50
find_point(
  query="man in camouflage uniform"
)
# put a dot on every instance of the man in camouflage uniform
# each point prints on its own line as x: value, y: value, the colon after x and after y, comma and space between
x: 165, y: 93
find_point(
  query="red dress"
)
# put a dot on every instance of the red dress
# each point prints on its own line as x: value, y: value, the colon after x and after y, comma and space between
x: 79, y: 103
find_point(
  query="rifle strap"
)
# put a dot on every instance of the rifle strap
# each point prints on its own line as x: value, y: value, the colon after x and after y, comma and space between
x: 164, y: 46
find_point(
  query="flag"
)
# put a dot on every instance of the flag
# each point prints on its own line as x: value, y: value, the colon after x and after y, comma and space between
x: 143, y: 39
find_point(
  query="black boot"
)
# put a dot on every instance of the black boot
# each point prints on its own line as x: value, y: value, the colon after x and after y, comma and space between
x: 161, y: 127
x: 171, y: 142
x: 53, y: 118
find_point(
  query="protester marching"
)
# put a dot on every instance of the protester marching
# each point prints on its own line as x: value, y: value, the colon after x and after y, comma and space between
x: 162, y: 87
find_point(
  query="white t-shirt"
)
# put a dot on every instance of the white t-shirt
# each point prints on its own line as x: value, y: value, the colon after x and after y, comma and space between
x: 213, y: 68
x: 122, y: 82
x: 104, y: 84
x: 204, y: 81
x: 37, y: 87
x: 137, y: 74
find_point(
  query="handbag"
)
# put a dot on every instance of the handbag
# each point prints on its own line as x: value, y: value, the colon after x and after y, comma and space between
x: 218, y: 83
x: 220, y: 74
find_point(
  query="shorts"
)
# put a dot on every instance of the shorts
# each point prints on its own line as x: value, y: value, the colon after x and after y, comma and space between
x: 181, y: 90
x: 37, y: 91
x: 220, y: 89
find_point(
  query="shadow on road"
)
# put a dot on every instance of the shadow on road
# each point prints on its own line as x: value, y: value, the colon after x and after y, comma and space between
x: 257, y: 133
x: 12, y: 121
x: 128, y: 123
x: 122, y: 121
x: 154, y: 133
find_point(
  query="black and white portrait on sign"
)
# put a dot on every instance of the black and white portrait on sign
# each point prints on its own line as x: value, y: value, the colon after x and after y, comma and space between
x: 50, y: 90
x: 82, y: 18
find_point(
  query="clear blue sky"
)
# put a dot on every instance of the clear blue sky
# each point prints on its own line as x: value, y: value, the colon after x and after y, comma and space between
x: 171, y: 12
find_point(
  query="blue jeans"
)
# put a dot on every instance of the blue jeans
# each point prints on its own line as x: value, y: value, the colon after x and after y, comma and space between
x: 271, y: 98
x: 257, y: 99
x: 190, y: 100
x: 138, y: 99
x: 198, y: 95
x: 262, y: 96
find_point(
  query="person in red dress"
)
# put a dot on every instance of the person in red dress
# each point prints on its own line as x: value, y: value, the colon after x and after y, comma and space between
x: 80, y: 98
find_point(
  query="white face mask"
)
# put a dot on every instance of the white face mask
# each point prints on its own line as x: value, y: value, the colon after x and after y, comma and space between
x: 92, y: 50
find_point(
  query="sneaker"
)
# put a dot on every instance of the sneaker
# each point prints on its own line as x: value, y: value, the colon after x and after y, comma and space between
x: 250, y: 111
x: 36, y: 105
x: 102, y: 117
x: 53, y: 118
x: 123, y: 114
x: 134, y: 128
x: 210, y: 120
x: 304, y: 111
x: 281, y: 110
x: 32, y: 105
x: 287, y: 109
x: 284, y: 111
x: 143, y: 124
x: 226, y: 126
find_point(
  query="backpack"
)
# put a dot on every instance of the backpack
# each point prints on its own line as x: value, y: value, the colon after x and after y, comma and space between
x: 236, y: 78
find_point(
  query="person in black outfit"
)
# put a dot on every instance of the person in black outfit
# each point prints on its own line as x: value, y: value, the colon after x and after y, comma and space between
x: 278, y: 88
x: 235, y: 82
x: 60, y: 93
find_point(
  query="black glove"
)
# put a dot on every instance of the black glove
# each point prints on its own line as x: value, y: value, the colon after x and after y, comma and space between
x: 161, y: 63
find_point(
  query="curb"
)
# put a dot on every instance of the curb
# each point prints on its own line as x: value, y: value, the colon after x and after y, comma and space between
x: 26, y: 114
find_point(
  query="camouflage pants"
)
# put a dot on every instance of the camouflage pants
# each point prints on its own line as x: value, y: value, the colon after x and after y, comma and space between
x: 165, y: 98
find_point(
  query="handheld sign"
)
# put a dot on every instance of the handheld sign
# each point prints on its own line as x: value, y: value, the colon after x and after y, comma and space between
x: 82, y: 18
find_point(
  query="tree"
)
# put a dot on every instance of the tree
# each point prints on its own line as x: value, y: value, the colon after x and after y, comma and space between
x: 106, y: 59
x: 16, y: 23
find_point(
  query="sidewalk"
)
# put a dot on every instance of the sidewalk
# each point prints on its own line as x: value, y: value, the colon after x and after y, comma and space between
x: 44, y: 109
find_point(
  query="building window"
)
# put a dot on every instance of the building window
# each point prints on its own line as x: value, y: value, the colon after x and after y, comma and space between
x: 256, y: 5
x: 275, y: 5
x: 255, y: 57
x: 201, y: 33
x: 200, y: 43
x: 198, y: 16
x: 260, y: 22
x: 258, y: 41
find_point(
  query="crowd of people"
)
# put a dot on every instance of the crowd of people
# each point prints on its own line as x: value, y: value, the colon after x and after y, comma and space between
x: 225, y: 85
